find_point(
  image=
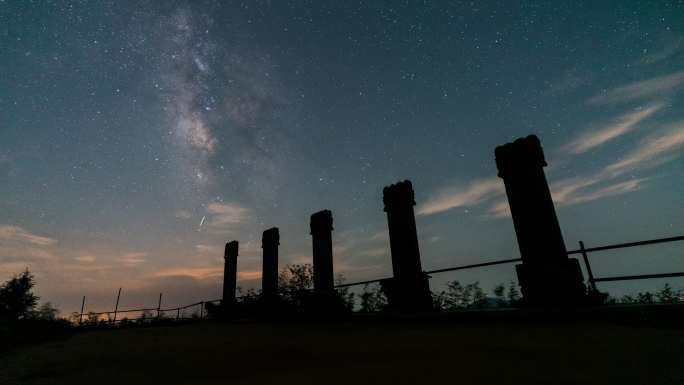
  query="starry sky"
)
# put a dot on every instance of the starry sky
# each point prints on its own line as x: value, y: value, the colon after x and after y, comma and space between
x: 137, y: 137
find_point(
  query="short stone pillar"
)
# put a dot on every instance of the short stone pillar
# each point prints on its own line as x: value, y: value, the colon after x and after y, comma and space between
x: 321, y: 234
x: 409, y: 289
x: 230, y: 272
x: 547, y: 276
x: 269, y: 278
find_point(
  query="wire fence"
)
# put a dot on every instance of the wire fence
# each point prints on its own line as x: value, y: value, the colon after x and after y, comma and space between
x: 178, y: 313
x: 175, y: 313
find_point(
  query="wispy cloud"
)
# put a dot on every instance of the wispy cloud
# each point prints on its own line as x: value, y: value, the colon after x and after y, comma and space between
x: 374, y: 252
x: 227, y: 214
x: 85, y: 258
x: 656, y: 149
x: 206, y: 248
x: 193, y: 272
x: 249, y: 275
x: 499, y: 209
x: 133, y: 259
x: 455, y: 196
x: 575, y: 191
x: 655, y: 87
x: 653, y: 151
x: 612, y: 190
x: 16, y: 234
x: 204, y: 273
x: 580, y: 190
x: 620, y: 126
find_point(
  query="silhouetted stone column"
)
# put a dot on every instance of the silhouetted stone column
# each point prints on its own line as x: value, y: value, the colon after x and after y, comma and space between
x: 230, y: 272
x: 269, y: 279
x: 321, y: 233
x: 409, y: 288
x: 547, y: 274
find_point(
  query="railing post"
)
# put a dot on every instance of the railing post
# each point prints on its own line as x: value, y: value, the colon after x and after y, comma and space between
x: 116, y: 307
x: 202, y: 310
x: 177, y: 314
x: 80, y: 317
x: 159, y: 306
x: 586, y: 263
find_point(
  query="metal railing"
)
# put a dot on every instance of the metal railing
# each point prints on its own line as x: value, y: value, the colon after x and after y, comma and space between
x: 582, y: 250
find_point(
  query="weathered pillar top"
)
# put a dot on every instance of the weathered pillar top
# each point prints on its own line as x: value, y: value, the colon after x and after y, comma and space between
x: 270, y: 236
x: 321, y: 221
x: 397, y: 195
x: 522, y: 154
x: 231, y: 249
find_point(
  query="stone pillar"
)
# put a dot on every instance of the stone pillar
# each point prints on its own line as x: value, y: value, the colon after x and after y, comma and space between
x: 230, y: 272
x: 321, y: 233
x: 409, y: 288
x: 269, y: 278
x: 547, y: 276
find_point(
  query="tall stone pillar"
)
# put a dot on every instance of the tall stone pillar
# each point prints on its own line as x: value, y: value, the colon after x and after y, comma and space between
x: 409, y: 288
x: 547, y: 276
x: 321, y: 233
x: 230, y: 272
x: 269, y: 278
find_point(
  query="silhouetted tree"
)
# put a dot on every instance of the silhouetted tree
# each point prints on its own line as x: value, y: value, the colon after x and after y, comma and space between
x: 439, y: 300
x: 513, y: 293
x: 479, y: 298
x: 458, y: 296
x: 294, y: 280
x: 17, y: 301
x: 500, y: 294
x: 667, y: 294
x: 627, y: 299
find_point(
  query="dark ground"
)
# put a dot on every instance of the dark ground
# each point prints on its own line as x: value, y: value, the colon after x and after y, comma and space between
x: 365, y: 350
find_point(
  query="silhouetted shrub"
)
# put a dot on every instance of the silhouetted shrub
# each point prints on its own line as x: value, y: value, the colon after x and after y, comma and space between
x: 294, y: 281
x: 46, y: 312
x: 295, y: 296
x: 372, y: 299
x: 348, y: 298
x: 645, y: 297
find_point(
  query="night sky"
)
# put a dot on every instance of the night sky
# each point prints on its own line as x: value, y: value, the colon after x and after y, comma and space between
x: 137, y: 137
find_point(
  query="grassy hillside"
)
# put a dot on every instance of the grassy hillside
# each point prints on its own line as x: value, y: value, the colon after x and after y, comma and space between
x: 416, y: 351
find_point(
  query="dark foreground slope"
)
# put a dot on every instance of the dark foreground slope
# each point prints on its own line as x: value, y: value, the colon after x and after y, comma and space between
x: 424, y: 350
